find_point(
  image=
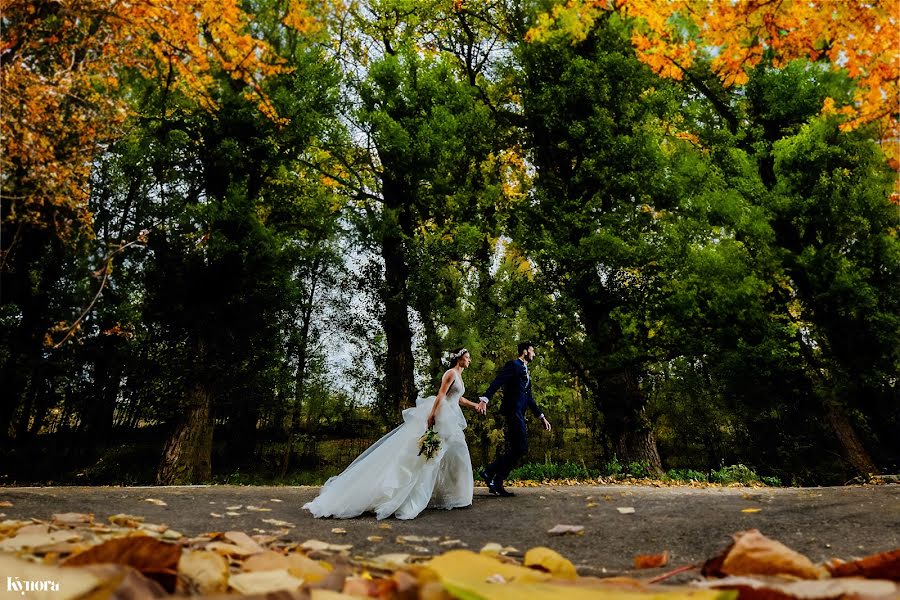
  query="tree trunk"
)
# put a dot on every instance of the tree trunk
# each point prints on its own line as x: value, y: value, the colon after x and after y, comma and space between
x: 399, y: 365
x: 639, y: 446
x: 853, y: 449
x: 187, y: 457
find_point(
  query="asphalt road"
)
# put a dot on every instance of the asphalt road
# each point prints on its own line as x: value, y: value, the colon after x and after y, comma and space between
x: 692, y: 524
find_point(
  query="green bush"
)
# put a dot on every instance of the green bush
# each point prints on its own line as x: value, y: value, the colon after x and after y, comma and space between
x: 686, y: 475
x: 734, y: 474
x: 552, y: 470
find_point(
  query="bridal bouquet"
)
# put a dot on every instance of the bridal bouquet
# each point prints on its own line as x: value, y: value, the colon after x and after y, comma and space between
x: 429, y: 443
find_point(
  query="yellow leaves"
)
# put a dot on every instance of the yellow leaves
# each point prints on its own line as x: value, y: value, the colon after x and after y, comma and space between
x: 59, y: 83
x: 857, y: 36
x: 550, y: 561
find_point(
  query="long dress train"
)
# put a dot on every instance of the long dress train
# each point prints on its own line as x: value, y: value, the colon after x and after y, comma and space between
x: 390, y: 478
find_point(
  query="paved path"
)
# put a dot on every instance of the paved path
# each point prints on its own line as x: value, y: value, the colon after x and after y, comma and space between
x: 693, y: 524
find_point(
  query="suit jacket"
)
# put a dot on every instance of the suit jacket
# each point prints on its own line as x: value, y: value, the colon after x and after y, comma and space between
x: 517, y: 395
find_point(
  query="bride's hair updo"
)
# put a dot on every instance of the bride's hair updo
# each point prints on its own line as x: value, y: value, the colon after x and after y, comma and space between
x: 456, y: 355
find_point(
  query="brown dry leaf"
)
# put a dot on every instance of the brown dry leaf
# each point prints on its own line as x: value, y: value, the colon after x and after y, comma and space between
x: 564, y: 529
x: 338, y: 530
x: 72, y: 583
x: 157, y: 560
x: 5, y: 504
x: 885, y: 565
x: 752, y: 553
x: 298, y: 565
x: 123, y: 520
x: 651, y: 561
x: 207, y: 570
x: 375, y: 538
x: 264, y: 582
x: 760, y: 588
x: 550, y: 561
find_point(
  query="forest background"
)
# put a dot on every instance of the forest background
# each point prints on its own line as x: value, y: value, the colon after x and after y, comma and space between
x: 238, y: 237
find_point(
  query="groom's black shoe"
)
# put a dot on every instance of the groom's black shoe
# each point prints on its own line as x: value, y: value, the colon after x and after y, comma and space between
x: 500, y: 490
x: 489, y: 480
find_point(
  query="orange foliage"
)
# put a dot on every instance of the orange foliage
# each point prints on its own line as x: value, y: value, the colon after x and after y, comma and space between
x: 61, y: 63
x: 857, y: 35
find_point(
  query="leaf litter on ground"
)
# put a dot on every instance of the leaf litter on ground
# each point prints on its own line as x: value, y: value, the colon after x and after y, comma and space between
x: 129, y: 558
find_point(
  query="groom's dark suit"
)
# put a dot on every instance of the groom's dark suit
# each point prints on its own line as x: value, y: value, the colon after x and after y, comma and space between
x: 517, y: 396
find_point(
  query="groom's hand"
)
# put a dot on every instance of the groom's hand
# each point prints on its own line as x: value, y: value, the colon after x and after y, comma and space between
x: 482, y: 407
x: 546, y: 423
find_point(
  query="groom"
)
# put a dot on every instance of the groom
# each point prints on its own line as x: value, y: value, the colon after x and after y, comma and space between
x: 516, y: 383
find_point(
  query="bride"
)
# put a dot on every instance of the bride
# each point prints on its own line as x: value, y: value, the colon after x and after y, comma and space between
x: 392, y: 478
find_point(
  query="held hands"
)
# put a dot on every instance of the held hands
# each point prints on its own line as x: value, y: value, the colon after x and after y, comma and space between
x: 481, y: 407
x: 546, y: 423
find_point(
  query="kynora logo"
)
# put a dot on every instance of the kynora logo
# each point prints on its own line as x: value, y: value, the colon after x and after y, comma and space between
x: 14, y: 584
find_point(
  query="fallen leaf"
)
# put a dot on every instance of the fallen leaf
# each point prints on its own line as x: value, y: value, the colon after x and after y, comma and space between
x: 550, y: 561
x: 625, y: 510
x: 651, y: 561
x: 565, y: 529
x: 217, y: 515
x: 278, y: 523
x: 264, y: 582
x: 6, y: 504
x: 36, y: 541
x: 338, y: 530
x: 153, y: 558
x: 207, y: 570
x: 155, y: 501
x: 885, y: 565
x: 320, y: 545
x: 750, y: 510
x: 123, y: 520
x: 375, y: 538
x: 244, y: 541
x: 275, y: 500
x: 393, y: 560
x: 416, y: 539
x: 823, y: 589
x: 236, y: 507
x: 70, y: 583
x: 232, y: 513
x: 73, y: 518
x: 385, y: 526
x: 298, y: 565
x: 752, y: 553
x: 258, y: 508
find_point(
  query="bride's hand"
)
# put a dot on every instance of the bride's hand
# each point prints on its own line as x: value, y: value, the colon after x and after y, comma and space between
x: 431, y: 420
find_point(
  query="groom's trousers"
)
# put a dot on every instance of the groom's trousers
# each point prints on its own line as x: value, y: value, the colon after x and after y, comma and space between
x: 516, y: 446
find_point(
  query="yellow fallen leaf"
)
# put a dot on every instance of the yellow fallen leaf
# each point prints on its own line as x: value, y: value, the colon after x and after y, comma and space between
x: 550, y: 561
x: 244, y: 541
x: 320, y: 594
x: 375, y: 538
x: 338, y: 530
x: 264, y: 582
x: 208, y: 570
x: 750, y: 510
x: 64, y: 584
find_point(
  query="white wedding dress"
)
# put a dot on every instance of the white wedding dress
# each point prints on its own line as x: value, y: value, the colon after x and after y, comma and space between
x: 390, y: 478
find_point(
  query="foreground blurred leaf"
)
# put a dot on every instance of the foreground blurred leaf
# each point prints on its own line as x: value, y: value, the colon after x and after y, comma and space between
x: 157, y: 560
x: 752, y: 553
